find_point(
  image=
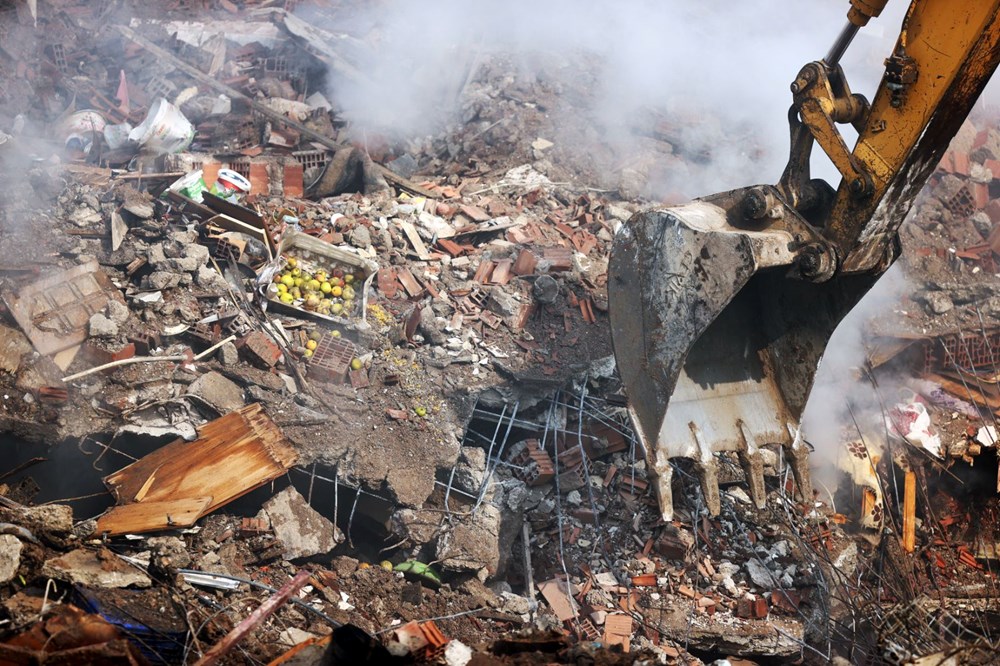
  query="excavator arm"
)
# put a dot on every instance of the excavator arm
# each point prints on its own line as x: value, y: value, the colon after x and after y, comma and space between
x: 721, y: 308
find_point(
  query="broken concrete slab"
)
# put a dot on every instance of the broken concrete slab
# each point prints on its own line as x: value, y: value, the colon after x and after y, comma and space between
x: 303, y: 530
x: 95, y: 569
x: 472, y: 544
x: 222, y: 394
x: 10, y: 556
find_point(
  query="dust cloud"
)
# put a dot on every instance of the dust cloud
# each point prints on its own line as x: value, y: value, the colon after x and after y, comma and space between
x: 720, y: 70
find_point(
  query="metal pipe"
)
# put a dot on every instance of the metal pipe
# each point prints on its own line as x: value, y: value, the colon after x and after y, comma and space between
x: 839, y: 47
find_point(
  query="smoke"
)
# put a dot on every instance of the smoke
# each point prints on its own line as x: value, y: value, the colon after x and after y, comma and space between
x: 717, y: 72
x: 840, y: 387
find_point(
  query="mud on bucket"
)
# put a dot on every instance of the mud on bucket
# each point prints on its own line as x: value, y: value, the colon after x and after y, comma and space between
x: 165, y: 129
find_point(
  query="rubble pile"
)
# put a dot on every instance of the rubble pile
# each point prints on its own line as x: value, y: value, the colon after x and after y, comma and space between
x: 353, y: 401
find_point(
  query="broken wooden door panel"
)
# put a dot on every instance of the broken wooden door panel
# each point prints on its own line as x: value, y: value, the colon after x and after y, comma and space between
x: 54, y: 311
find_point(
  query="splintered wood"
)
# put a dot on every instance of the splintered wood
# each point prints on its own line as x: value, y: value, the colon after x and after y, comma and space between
x: 179, y: 483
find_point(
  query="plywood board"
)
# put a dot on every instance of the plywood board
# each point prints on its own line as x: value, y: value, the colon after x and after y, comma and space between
x: 233, y: 455
x: 152, y: 516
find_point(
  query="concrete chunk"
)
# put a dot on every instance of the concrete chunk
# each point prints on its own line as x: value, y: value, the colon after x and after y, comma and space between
x: 303, y: 530
x: 217, y: 391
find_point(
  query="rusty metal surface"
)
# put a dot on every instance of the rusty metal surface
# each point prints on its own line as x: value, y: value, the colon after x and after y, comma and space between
x: 54, y: 311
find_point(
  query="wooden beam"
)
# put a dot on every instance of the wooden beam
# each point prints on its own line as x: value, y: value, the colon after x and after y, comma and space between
x: 910, y: 512
x: 152, y: 516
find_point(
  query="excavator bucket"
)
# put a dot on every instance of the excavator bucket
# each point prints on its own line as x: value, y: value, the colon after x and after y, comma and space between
x: 716, y: 342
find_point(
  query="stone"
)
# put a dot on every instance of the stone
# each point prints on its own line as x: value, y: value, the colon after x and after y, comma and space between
x: 51, y: 517
x: 161, y: 280
x: 515, y: 603
x: 760, y: 574
x: 169, y: 552
x: 360, y: 237
x: 222, y: 394
x: 302, y: 529
x: 118, y: 312
x: 502, y: 303
x: 573, y: 498
x: 472, y: 544
x: 430, y: 328
x: 95, y: 569
x: 102, y: 327
x: 207, y: 277
x: 139, y: 207
x: 470, y: 472
x: 457, y: 653
x: 10, y: 556
x: 228, y: 354
x: 413, y: 525
x: 13, y: 346
x: 938, y: 302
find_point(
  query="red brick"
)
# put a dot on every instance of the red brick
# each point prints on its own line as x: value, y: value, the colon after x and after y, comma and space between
x: 993, y: 210
x: 294, y: 187
x: 260, y: 182
x: 262, y: 349
x: 525, y: 264
x: 980, y: 195
x: 961, y: 164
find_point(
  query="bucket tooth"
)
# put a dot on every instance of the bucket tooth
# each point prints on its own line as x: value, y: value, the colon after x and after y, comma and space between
x: 753, y: 469
x: 708, y: 474
x: 662, y: 477
x: 798, y: 458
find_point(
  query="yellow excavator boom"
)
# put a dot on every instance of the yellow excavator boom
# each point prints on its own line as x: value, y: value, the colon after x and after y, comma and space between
x: 721, y: 308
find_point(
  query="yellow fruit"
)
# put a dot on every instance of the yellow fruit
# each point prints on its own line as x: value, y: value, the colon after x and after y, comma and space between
x: 296, y: 272
x: 307, y: 353
x: 286, y: 297
x: 348, y: 292
x: 336, y: 308
x: 282, y: 287
x: 349, y: 278
x: 420, y: 411
x: 311, y: 344
x: 287, y: 280
x: 311, y: 302
x: 315, y: 335
x: 356, y: 364
x: 293, y: 262
x: 298, y: 282
x: 336, y: 291
x: 314, y: 284
x: 335, y: 333
x: 326, y: 287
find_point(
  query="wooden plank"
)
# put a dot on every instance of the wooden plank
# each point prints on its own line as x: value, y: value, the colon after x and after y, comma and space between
x: 152, y: 516
x: 415, y: 240
x: 910, y: 512
x: 233, y: 455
